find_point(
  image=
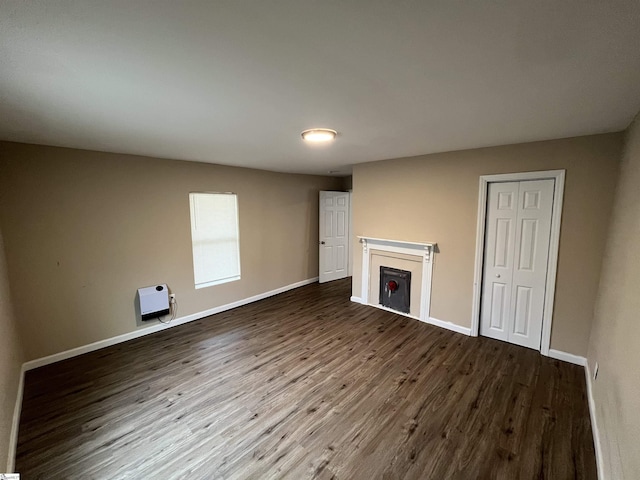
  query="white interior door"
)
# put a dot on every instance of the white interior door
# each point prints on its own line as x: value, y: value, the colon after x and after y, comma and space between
x: 515, y: 262
x: 334, y: 235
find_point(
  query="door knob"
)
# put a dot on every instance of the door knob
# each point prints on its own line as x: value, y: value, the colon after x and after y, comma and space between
x: 322, y: 242
x: 497, y: 275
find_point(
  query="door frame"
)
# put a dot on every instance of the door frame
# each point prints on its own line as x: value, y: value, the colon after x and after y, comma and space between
x: 554, y: 243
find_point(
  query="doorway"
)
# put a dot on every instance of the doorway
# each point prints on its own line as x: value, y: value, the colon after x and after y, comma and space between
x: 519, y: 219
x: 335, y: 237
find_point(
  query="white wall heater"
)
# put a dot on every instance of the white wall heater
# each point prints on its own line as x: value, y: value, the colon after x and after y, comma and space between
x: 154, y: 301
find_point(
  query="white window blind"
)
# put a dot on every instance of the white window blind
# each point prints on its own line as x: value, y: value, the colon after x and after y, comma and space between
x: 215, y: 238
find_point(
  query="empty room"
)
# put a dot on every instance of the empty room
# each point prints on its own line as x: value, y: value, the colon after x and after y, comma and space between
x: 319, y: 240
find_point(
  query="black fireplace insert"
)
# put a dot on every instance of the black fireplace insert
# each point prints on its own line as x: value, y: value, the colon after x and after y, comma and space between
x: 395, y: 289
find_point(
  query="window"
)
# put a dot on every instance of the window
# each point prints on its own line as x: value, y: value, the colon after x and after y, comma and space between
x: 215, y: 238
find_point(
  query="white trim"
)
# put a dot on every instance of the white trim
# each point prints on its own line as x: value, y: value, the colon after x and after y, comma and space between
x: 427, y: 275
x: 594, y: 424
x: 397, y: 243
x: 567, y: 357
x: 15, y: 424
x: 418, y: 249
x: 552, y: 265
x: 356, y: 299
x: 556, y: 221
x: 350, y: 249
x: 219, y: 281
x: 74, y: 352
x: 477, y: 269
x: 449, y: 326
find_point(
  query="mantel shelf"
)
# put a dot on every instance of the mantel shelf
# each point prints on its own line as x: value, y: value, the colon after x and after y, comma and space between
x: 397, y: 242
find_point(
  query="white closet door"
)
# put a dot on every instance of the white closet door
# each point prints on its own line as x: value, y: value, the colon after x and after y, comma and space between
x: 516, y: 257
x: 535, y: 204
x: 502, y: 212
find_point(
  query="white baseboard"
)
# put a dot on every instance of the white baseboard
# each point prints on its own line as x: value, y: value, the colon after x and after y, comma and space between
x: 449, y: 326
x: 567, y: 357
x: 15, y: 424
x: 74, y: 352
x: 594, y: 424
x: 356, y: 300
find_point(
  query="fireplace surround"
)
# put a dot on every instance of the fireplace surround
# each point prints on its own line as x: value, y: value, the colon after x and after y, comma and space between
x: 415, y: 257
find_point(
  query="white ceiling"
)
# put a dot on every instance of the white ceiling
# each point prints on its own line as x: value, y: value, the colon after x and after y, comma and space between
x: 235, y: 82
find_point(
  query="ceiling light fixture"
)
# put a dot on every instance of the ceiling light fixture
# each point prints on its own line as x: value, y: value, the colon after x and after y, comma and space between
x: 319, y: 135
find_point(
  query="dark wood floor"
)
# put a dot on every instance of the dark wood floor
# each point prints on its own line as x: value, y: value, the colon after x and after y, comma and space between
x: 307, y: 385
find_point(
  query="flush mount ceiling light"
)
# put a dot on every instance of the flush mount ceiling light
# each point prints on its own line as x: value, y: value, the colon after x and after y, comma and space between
x: 319, y: 135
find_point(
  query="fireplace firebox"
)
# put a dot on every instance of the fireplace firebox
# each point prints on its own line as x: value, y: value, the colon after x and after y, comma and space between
x: 395, y: 289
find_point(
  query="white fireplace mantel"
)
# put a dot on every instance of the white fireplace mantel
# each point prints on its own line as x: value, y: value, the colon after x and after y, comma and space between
x: 399, y: 246
x: 421, y: 249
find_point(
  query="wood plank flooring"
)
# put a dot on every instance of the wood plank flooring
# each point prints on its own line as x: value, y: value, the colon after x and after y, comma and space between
x: 307, y: 385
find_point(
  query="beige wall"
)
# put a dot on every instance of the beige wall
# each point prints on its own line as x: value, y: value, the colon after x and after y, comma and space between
x: 615, y: 337
x: 11, y: 359
x: 84, y: 230
x: 434, y: 198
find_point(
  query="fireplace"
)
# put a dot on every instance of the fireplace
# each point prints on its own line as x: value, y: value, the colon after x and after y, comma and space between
x: 395, y: 289
x: 404, y: 261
